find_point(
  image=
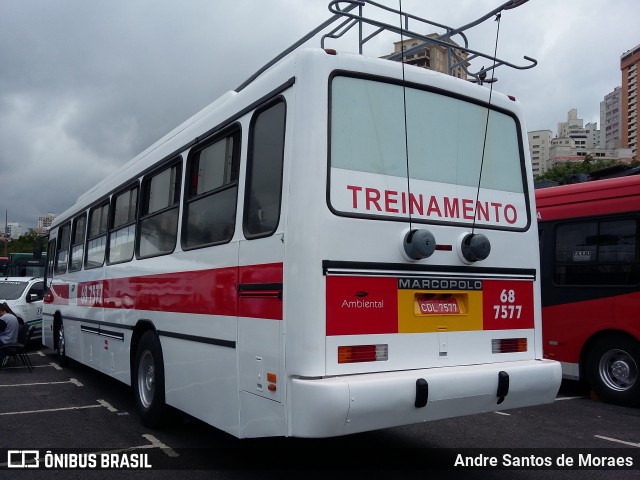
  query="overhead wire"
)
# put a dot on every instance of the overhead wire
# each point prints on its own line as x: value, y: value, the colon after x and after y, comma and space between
x: 404, y: 110
x: 486, y: 126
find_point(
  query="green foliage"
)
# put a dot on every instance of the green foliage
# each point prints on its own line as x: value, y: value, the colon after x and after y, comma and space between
x: 25, y: 244
x: 561, y: 173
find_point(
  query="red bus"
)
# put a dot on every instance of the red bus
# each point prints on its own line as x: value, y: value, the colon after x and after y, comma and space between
x: 590, y: 280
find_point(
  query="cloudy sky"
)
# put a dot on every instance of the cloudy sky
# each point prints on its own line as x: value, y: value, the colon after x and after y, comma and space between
x: 85, y: 85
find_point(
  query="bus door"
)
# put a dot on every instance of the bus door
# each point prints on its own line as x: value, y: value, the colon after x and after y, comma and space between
x: 261, y: 258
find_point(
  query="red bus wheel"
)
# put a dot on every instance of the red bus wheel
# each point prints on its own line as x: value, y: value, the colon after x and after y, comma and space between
x: 613, y: 370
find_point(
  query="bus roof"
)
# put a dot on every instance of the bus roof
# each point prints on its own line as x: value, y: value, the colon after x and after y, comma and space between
x: 598, y: 197
x: 302, y: 66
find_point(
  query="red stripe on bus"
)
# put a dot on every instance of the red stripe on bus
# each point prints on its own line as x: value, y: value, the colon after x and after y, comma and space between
x: 265, y: 273
x: 208, y: 292
x: 266, y: 302
x: 58, y: 295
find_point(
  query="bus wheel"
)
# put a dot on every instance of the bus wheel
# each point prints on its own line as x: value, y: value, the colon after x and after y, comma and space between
x: 149, y: 379
x: 61, y: 346
x: 612, y: 370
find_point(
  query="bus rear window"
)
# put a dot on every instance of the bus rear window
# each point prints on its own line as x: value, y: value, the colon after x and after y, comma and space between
x: 445, y: 140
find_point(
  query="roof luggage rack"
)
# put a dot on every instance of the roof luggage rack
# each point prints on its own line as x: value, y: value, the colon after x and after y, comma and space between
x: 344, y: 10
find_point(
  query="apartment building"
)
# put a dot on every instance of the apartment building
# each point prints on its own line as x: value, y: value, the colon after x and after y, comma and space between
x: 433, y: 57
x: 539, y: 144
x: 630, y: 67
x: 611, y: 119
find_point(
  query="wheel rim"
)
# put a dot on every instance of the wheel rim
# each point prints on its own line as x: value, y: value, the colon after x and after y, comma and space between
x: 146, y: 379
x: 618, y: 370
x: 61, y: 341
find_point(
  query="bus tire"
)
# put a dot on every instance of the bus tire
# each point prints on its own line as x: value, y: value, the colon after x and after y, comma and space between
x: 612, y: 370
x: 148, y: 380
x: 61, y: 346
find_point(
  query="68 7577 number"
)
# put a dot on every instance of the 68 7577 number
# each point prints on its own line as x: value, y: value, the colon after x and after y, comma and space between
x: 508, y: 308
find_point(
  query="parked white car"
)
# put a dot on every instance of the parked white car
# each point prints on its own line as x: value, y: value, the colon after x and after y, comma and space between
x: 24, y: 295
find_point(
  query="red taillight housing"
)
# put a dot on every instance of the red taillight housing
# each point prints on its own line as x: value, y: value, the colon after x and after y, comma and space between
x: 508, y: 345
x: 363, y: 353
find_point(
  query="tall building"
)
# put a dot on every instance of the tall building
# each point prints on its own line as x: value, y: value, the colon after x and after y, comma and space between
x: 46, y: 220
x: 573, y: 124
x: 14, y: 230
x: 433, y: 57
x: 539, y: 144
x: 583, y: 136
x: 630, y: 66
x: 593, y: 134
x: 611, y: 119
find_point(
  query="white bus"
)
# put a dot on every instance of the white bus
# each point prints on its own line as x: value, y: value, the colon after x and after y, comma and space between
x: 289, y: 263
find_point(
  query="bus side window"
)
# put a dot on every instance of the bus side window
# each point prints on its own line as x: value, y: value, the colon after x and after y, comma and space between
x: 77, y: 243
x: 97, y: 236
x: 159, y: 215
x: 263, y: 191
x: 211, y: 192
x: 62, y: 253
x: 597, y: 253
x: 122, y: 234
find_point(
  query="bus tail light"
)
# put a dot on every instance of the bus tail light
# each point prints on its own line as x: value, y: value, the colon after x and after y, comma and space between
x: 363, y: 353
x: 508, y: 345
x: 272, y: 379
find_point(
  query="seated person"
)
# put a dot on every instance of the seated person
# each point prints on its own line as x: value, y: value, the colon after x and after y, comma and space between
x: 10, y: 332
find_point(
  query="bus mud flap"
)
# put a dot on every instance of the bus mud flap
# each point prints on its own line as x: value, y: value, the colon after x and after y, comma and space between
x: 422, y: 393
x: 503, y: 386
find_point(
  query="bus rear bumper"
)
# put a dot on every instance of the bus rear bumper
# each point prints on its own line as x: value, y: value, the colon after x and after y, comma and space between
x: 335, y: 406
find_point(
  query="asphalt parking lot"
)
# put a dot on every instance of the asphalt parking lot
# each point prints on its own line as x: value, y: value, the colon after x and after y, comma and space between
x: 80, y: 415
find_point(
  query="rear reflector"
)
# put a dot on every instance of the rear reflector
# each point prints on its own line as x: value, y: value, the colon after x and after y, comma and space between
x: 363, y: 353
x: 508, y: 345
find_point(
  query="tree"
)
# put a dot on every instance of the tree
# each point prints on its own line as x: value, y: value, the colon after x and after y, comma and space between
x: 26, y: 242
x: 561, y: 172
